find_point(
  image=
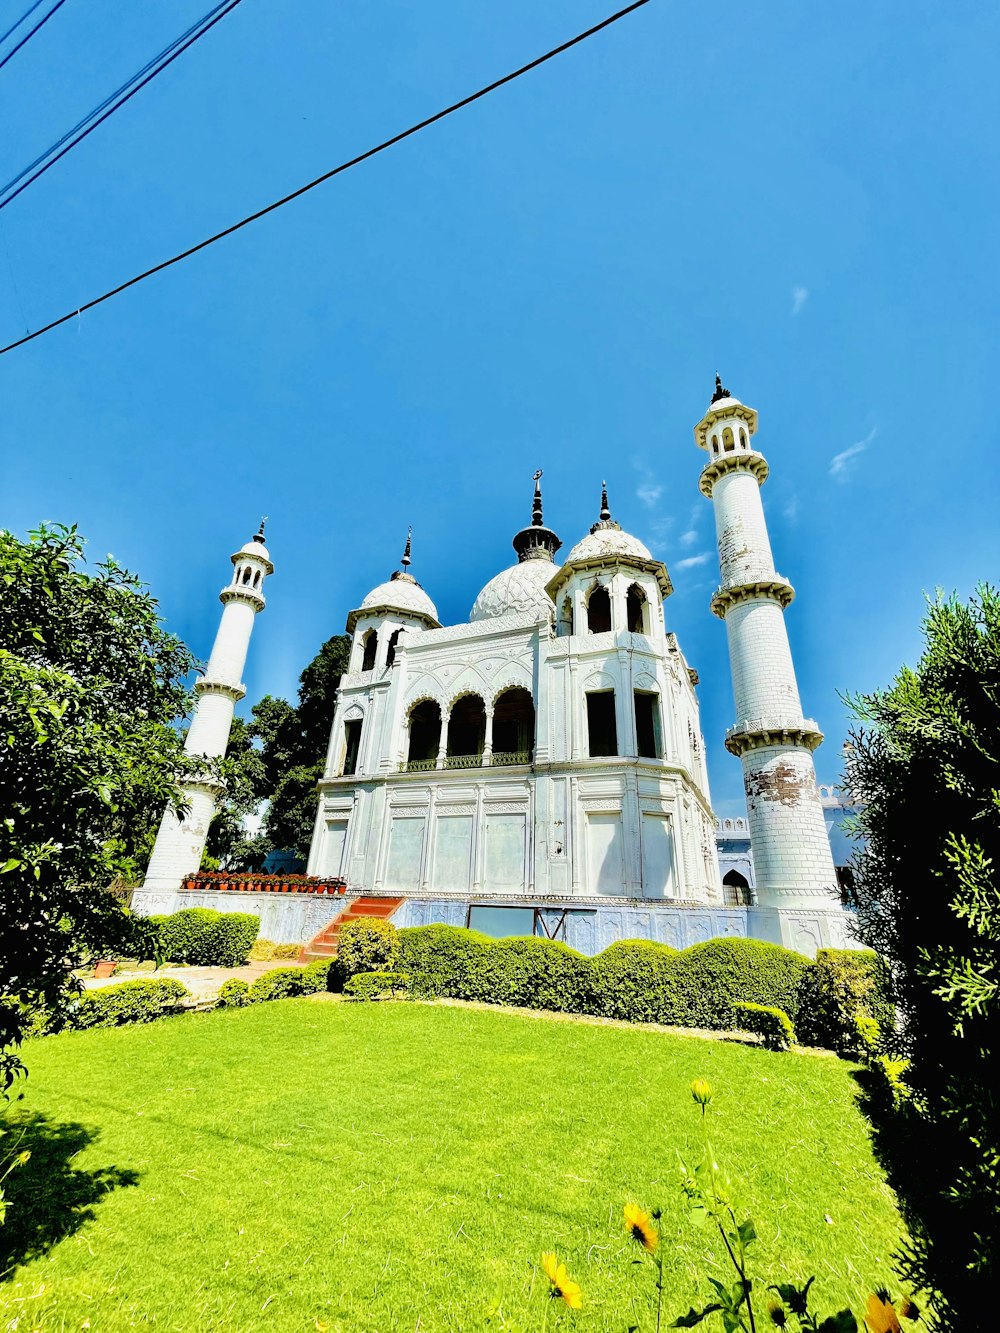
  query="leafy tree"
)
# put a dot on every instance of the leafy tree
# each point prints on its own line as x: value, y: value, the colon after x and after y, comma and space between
x: 244, y: 773
x: 926, y: 763
x: 91, y: 688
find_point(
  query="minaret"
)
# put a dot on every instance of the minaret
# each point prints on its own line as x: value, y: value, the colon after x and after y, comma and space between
x: 536, y: 542
x: 791, y: 850
x: 180, y: 842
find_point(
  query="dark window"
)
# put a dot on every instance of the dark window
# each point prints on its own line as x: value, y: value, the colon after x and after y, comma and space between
x: 566, y: 618
x: 467, y: 727
x: 602, y: 730
x: 647, y: 726
x: 513, y: 725
x: 500, y: 922
x: 390, y: 652
x: 425, y: 733
x: 599, y: 611
x: 352, y: 738
x: 845, y: 882
x: 635, y: 610
x: 736, y: 890
x: 370, y: 642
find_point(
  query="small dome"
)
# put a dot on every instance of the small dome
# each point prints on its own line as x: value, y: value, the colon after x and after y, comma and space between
x: 513, y: 591
x: 608, y: 541
x: 255, y: 547
x: 402, y: 593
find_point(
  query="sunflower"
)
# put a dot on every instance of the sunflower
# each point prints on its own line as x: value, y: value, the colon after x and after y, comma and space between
x: 640, y: 1228
x: 562, y: 1284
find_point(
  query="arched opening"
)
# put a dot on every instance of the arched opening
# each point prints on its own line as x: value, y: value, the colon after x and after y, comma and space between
x: 743, y: 439
x: 466, y: 732
x: 390, y: 652
x: 352, y: 745
x: 637, y: 610
x: 513, y: 727
x: 715, y: 444
x: 246, y: 574
x: 648, y: 734
x: 369, y: 644
x: 599, y: 610
x: 566, y: 618
x: 736, y: 889
x: 425, y: 735
x: 728, y: 444
x: 256, y: 579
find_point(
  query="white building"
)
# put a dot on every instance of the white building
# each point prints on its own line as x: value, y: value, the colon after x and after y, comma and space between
x: 550, y: 747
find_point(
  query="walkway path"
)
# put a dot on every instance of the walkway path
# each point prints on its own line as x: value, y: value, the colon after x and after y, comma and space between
x: 204, y: 983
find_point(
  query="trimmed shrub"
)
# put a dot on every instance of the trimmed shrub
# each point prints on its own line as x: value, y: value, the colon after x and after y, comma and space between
x: 205, y: 938
x: 128, y: 1002
x: 634, y: 980
x: 444, y: 960
x: 317, y: 976
x: 711, y: 977
x: 367, y: 944
x: 841, y: 986
x: 234, y: 994
x: 773, y: 1026
x: 537, y: 974
x: 278, y: 984
x: 375, y: 985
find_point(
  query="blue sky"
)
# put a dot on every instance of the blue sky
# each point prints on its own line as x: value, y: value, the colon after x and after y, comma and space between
x: 803, y: 197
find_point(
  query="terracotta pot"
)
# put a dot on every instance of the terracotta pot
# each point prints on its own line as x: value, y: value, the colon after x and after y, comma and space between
x: 105, y: 967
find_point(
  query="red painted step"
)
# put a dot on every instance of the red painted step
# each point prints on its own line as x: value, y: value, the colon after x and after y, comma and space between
x: 324, y: 945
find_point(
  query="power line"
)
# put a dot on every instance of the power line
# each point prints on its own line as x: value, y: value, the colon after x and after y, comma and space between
x: 328, y: 175
x: 17, y: 22
x: 112, y: 103
x: 28, y: 36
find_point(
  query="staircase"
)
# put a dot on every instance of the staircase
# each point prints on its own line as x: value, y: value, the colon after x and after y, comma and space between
x: 324, y: 945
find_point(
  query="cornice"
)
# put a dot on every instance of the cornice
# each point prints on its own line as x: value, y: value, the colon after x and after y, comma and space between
x: 762, y: 733
x: 234, y: 692
x: 243, y: 594
x: 740, y: 461
x: 776, y: 589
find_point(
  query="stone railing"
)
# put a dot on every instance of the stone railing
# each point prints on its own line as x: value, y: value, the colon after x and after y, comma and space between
x: 418, y: 765
x: 464, y: 761
x: 505, y: 758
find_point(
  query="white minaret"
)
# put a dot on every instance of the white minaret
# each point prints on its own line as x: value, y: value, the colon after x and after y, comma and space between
x: 797, y: 890
x: 180, y: 842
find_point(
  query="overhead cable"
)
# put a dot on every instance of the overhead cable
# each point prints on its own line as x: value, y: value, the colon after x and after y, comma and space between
x: 113, y: 102
x: 17, y: 22
x: 328, y: 175
x: 28, y: 36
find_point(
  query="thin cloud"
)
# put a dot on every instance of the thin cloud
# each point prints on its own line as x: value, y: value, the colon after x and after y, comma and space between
x: 688, y: 538
x: 690, y: 561
x: 800, y: 295
x: 841, y: 464
x: 791, y: 510
x: 649, y: 493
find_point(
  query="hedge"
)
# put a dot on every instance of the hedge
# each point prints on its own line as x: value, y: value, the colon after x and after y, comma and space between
x: 842, y: 986
x: 773, y: 1026
x: 205, y: 938
x: 278, y: 984
x: 375, y: 985
x: 367, y: 944
x: 128, y: 1002
x: 635, y: 980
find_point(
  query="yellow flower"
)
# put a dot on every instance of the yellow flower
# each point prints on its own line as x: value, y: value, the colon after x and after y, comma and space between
x: 640, y: 1228
x: 701, y: 1091
x: 880, y: 1316
x: 562, y: 1284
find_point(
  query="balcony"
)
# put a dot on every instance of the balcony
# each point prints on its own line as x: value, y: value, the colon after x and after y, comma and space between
x: 499, y: 759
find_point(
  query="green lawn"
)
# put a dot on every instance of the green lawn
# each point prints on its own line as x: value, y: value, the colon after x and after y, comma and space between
x: 307, y: 1164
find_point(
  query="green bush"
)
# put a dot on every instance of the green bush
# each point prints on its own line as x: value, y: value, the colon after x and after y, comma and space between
x: 128, y: 1002
x: 316, y: 977
x: 773, y: 1026
x: 711, y: 977
x: 537, y: 974
x: 278, y: 984
x: 367, y: 944
x: 634, y: 980
x: 444, y: 960
x: 199, y: 936
x: 375, y: 985
x: 234, y: 994
x: 841, y: 986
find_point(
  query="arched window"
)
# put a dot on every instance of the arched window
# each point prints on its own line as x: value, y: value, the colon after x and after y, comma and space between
x: 256, y: 579
x: 425, y: 735
x: 743, y: 438
x: 246, y: 574
x: 390, y: 652
x: 369, y: 644
x: 715, y: 444
x: 736, y: 889
x: 566, y: 617
x: 728, y: 443
x: 599, y: 610
x: 513, y: 727
x: 466, y: 732
x: 637, y: 610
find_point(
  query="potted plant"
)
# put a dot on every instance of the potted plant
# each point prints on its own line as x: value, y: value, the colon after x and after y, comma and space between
x: 105, y: 967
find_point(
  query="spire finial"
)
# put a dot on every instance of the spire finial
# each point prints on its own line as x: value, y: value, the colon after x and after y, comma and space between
x: 259, y: 534
x: 720, y: 392
x: 406, y: 562
x: 536, y: 504
x: 605, y: 511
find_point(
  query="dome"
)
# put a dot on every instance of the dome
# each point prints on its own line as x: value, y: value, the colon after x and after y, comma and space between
x: 402, y: 593
x: 608, y: 541
x: 255, y: 547
x: 517, y: 590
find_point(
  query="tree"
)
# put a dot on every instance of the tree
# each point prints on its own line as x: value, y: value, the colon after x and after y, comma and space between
x: 91, y: 690
x: 926, y: 764
x: 244, y: 774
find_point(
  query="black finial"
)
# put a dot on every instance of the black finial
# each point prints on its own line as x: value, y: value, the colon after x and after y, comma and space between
x: 720, y: 392
x: 605, y: 511
x: 406, y: 562
x: 536, y: 504
x: 259, y: 534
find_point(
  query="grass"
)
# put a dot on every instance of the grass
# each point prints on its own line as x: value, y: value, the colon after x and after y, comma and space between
x: 309, y: 1165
